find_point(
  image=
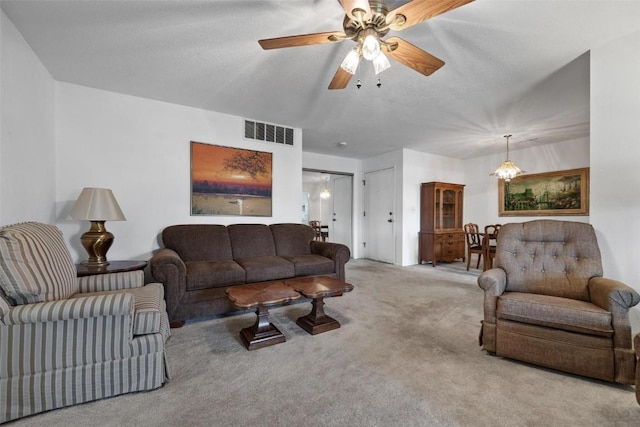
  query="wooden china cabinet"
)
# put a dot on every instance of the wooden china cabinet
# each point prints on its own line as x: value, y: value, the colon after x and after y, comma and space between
x: 441, y: 236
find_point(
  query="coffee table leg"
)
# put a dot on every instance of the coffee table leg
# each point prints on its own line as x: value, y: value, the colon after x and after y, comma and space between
x: 317, y: 322
x: 262, y: 333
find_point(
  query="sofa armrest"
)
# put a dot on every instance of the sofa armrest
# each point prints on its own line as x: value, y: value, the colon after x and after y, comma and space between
x: 111, y: 281
x: 617, y: 298
x: 339, y: 253
x: 115, y: 304
x: 168, y: 268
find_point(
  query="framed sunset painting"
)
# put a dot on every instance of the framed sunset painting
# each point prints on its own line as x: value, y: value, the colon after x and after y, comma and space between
x: 230, y: 181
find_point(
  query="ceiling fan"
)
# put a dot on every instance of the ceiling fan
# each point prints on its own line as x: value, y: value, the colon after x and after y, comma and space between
x: 366, y: 22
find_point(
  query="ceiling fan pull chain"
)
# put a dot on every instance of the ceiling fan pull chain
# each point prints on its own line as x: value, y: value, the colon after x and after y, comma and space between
x: 379, y: 84
x: 359, y: 85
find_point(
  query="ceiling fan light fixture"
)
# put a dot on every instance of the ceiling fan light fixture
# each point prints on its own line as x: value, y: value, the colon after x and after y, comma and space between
x: 370, y: 44
x: 351, y: 61
x: 380, y: 63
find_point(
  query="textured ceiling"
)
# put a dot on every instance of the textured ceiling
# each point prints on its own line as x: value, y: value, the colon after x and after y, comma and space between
x: 511, y: 66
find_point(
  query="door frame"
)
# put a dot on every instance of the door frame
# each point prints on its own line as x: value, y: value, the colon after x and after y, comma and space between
x: 353, y: 213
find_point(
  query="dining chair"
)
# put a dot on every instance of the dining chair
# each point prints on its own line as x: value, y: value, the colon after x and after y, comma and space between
x: 474, y: 243
x: 316, y: 228
x: 490, y: 236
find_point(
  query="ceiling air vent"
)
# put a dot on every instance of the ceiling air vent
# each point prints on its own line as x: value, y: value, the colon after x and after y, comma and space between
x: 268, y: 132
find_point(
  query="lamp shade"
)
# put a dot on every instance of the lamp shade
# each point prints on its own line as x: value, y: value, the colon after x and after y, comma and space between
x: 97, y: 204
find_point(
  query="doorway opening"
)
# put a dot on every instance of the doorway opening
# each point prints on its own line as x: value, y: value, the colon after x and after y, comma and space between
x: 334, y: 212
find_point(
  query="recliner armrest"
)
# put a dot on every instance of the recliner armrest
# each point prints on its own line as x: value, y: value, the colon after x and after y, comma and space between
x: 612, y: 295
x: 493, y: 281
x: 617, y: 298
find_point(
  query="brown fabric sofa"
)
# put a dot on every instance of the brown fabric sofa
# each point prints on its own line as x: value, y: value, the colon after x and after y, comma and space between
x: 547, y: 303
x: 199, y: 262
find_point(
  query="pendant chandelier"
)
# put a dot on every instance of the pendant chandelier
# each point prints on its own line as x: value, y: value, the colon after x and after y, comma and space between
x: 325, y: 194
x: 507, y: 170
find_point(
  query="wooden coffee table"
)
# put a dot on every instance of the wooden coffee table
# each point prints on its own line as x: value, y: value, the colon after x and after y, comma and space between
x: 317, y: 288
x: 261, y: 296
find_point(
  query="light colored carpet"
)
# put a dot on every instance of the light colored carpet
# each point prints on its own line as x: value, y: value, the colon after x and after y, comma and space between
x: 406, y: 355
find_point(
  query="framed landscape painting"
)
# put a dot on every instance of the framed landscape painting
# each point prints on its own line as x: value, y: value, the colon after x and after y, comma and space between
x: 230, y: 181
x: 551, y: 193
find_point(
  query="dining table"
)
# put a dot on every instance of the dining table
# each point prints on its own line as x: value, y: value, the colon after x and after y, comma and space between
x: 488, y: 250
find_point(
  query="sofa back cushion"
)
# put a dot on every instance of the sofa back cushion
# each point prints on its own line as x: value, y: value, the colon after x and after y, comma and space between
x: 292, y: 239
x: 35, y: 264
x: 198, y: 242
x: 251, y: 240
x: 549, y: 257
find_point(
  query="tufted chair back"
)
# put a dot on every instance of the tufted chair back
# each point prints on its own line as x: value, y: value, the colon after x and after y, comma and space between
x: 549, y: 257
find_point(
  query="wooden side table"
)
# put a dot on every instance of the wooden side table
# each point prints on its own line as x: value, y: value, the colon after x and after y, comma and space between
x: 261, y: 296
x: 318, y: 288
x: 112, y: 267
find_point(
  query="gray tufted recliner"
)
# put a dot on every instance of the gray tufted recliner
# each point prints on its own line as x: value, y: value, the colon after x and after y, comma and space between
x: 547, y: 303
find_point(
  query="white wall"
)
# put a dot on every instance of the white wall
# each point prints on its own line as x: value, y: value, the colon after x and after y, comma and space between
x: 481, y: 191
x: 410, y: 169
x: 418, y: 168
x: 27, y: 149
x: 615, y: 153
x: 140, y: 148
x: 344, y: 165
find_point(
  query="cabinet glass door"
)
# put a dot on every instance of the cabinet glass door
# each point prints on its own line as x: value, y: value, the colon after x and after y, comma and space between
x: 438, y: 209
x: 448, y: 209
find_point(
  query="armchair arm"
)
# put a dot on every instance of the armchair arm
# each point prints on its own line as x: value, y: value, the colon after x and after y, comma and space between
x: 81, y: 331
x: 339, y: 253
x: 111, y: 281
x: 617, y: 298
x: 116, y: 304
x: 167, y: 267
x: 494, y: 283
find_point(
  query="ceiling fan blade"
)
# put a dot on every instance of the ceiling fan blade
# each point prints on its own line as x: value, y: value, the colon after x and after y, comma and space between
x: 357, y: 9
x: 417, y: 11
x: 412, y: 56
x: 303, y: 40
x: 340, y: 79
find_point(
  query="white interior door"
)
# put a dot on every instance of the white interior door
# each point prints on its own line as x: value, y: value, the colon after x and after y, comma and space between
x: 340, y: 223
x: 379, y: 220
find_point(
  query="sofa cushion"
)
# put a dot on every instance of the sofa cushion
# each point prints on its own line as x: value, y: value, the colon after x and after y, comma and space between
x: 555, y: 312
x: 251, y: 240
x: 35, y: 264
x: 213, y: 274
x: 260, y: 269
x: 198, y: 242
x: 292, y: 239
x: 311, y: 265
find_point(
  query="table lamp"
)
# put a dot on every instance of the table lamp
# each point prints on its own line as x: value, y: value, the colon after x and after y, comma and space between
x: 97, y: 205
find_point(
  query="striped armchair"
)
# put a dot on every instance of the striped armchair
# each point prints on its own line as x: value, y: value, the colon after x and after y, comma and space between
x: 67, y: 340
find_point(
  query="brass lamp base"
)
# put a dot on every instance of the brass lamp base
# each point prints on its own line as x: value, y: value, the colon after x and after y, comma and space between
x: 97, y: 242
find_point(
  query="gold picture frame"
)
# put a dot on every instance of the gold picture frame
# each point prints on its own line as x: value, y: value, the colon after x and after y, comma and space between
x: 551, y: 193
